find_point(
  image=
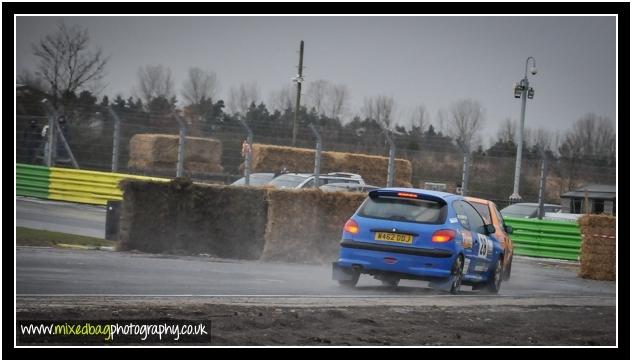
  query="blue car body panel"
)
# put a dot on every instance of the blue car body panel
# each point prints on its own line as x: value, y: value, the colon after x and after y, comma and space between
x: 422, y: 259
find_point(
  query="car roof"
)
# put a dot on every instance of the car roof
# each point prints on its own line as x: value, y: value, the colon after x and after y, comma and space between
x: 324, y: 175
x: 533, y: 204
x: 295, y: 174
x: 440, y: 194
x: 476, y: 199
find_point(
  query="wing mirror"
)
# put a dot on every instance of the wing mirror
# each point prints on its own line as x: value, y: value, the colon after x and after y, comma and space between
x: 487, y: 229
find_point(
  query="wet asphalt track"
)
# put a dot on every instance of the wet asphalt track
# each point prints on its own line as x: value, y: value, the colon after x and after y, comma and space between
x: 48, y: 271
x: 86, y: 220
x: 94, y: 272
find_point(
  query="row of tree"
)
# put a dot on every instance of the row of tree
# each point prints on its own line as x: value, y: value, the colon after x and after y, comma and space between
x: 70, y: 75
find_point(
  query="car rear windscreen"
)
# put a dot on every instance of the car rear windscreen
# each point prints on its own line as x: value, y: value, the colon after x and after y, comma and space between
x: 407, y: 210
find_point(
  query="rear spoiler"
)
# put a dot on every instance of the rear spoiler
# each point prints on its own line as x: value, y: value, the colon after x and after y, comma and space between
x: 406, y: 195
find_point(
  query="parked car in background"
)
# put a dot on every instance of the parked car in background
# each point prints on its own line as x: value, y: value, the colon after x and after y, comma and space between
x: 348, y: 187
x: 491, y: 215
x: 307, y: 180
x: 562, y: 216
x: 528, y: 210
x: 257, y: 179
x: 407, y: 233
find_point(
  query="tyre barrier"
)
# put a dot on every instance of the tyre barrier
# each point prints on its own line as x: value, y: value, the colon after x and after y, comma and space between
x: 545, y: 239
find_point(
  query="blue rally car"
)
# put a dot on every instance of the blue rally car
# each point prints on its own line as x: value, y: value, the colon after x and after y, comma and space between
x: 406, y: 233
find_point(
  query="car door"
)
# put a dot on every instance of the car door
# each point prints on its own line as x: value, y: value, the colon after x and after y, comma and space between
x: 469, y: 248
x: 481, y: 252
x: 507, y: 244
x: 486, y: 210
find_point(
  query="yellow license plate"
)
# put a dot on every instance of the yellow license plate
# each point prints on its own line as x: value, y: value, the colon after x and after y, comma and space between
x: 397, y: 238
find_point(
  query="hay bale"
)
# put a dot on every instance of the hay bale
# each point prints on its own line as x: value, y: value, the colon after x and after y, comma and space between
x: 184, y: 218
x: 598, y: 249
x: 160, y: 152
x: 590, y: 249
x: 306, y: 225
x: 604, y: 222
x: 374, y: 169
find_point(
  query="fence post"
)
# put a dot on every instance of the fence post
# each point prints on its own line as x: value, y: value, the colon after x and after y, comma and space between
x: 181, y: 144
x: 51, y: 140
x: 248, y: 163
x: 465, y: 176
x: 319, y: 149
x: 53, y: 126
x: 115, y: 140
x: 543, y: 174
x: 390, y: 177
x: 66, y: 146
x: 466, y: 173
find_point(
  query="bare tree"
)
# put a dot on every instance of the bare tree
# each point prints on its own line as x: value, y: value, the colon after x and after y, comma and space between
x: 380, y: 109
x: 590, y: 142
x: 66, y: 63
x: 282, y: 99
x: 240, y: 98
x: 507, y: 131
x: 336, y: 101
x: 606, y: 138
x: 154, y: 81
x: 199, y: 85
x: 592, y: 135
x: 465, y: 118
x: 29, y: 79
x: 316, y: 93
x: 543, y: 138
x: 419, y: 118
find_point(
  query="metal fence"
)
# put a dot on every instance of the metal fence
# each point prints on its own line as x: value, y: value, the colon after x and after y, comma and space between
x: 99, y: 140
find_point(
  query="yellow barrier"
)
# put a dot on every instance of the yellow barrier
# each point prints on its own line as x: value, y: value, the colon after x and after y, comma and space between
x: 90, y: 187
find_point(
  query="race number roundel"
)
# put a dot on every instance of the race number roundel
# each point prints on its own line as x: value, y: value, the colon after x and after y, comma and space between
x: 485, y: 246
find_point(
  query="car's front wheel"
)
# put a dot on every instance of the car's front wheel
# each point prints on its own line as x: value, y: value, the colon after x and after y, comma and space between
x: 456, y: 275
x: 507, y: 273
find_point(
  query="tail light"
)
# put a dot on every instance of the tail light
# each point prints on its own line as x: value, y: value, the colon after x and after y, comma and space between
x: 351, y: 226
x: 443, y: 236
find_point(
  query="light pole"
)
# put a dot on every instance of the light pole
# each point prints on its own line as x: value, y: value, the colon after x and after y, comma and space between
x: 522, y: 90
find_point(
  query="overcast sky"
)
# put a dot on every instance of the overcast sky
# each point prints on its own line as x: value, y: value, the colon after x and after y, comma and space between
x: 432, y: 61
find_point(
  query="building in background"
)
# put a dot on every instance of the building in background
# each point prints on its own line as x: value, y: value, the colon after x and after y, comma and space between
x: 590, y: 199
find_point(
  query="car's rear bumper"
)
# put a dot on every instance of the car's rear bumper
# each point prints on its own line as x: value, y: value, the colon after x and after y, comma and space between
x: 418, y: 263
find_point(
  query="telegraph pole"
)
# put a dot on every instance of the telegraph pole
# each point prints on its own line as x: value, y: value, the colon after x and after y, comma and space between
x: 299, y: 81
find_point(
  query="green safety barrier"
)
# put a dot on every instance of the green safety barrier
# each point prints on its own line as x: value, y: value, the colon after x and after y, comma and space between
x: 66, y: 184
x: 32, y: 181
x: 546, y: 239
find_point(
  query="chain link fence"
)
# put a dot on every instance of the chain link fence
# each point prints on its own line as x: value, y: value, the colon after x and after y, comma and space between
x: 99, y: 139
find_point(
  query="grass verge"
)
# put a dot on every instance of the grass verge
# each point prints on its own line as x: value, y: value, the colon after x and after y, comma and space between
x: 33, y: 237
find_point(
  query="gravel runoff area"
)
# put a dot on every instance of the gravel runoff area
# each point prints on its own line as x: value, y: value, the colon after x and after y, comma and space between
x: 356, y: 321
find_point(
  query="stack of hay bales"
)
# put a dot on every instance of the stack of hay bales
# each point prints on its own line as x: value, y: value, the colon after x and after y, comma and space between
x: 306, y: 225
x: 374, y: 169
x: 185, y: 218
x: 159, y: 152
x: 598, y: 249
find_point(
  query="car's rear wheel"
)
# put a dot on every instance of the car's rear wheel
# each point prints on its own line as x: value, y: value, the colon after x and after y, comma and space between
x: 456, y: 275
x: 493, y: 285
x: 350, y: 283
x: 507, y: 273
